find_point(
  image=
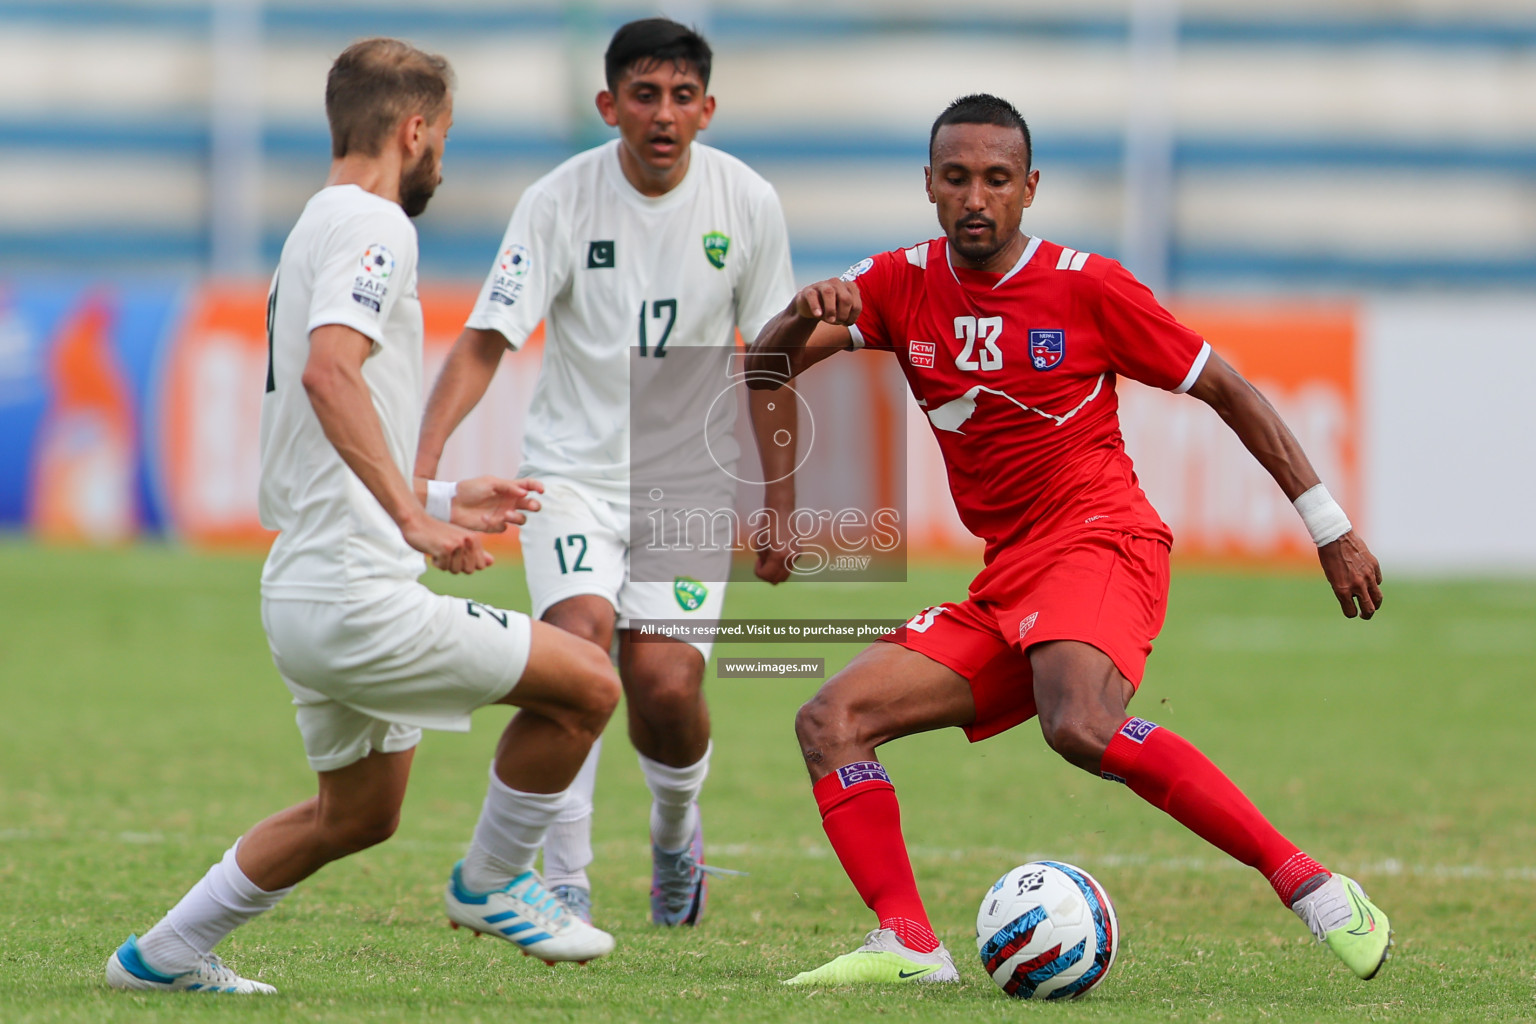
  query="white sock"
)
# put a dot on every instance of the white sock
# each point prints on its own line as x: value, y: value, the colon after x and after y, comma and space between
x: 508, y: 835
x: 568, y: 843
x: 223, y: 901
x: 674, y: 795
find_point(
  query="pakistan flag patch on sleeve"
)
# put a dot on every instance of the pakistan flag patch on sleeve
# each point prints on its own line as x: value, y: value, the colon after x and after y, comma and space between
x: 690, y: 593
x: 716, y: 246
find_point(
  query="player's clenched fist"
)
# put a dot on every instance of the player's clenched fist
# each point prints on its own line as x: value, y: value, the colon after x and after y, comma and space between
x: 833, y: 301
x: 450, y: 548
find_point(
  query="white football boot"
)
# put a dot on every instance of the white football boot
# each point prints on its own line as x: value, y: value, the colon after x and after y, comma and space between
x: 527, y: 915
x: 127, y: 970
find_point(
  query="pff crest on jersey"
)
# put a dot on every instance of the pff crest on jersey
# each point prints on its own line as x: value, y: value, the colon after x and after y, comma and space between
x: 690, y: 593
x: 716, y: 246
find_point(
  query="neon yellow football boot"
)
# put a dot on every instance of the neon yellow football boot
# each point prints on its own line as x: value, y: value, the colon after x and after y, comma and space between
x: 882, y: 960
x: 1339, y: 914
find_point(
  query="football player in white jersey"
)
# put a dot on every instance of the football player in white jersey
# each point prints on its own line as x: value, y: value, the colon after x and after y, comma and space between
x: 370, y: 655
x: 649, y: 246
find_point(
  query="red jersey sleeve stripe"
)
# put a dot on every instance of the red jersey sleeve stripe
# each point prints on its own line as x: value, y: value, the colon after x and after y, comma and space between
x: 1193, y: 375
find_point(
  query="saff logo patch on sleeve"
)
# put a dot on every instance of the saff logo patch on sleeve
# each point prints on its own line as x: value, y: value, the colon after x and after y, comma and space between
x: 1047, y: 349
x: 600, y: 255
x: 921, y: 353
x: 372, y: 281
x: 515, y: 260
x: 511, y: 268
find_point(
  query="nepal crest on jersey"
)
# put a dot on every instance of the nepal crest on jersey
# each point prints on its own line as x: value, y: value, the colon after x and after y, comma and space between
x: 1047, y: 349
x: 716, y: 246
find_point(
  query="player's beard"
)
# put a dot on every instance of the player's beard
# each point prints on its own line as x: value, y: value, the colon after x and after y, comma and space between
x: 418, y: 182
x: 979, y: 251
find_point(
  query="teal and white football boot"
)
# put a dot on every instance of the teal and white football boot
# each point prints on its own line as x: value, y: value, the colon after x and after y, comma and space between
x: 127, y: 970
x: 527, y: 915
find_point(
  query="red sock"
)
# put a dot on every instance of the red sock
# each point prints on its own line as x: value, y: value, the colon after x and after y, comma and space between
x: 1167, y: 771
x: 863, y: 821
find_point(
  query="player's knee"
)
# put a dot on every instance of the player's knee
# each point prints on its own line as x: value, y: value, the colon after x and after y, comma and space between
x: 363, y: 828
x: 1080, y: 740
x: 596, y: 690
x: 671, y: 693
x: 592, y: 621
x: 822, y: 722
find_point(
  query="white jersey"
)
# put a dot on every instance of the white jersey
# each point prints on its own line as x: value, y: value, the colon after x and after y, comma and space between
x: 611, y: 271
x: 350, y: 260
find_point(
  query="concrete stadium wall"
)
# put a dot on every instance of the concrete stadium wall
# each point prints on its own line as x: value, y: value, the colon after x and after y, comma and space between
x: 131, y: 407
x: 1304, y: 132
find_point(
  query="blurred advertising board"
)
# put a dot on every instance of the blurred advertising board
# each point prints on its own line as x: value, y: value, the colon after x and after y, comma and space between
x: 131, y: 407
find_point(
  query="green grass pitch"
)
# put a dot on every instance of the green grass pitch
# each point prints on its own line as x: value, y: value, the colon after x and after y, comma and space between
x: 142, y: 727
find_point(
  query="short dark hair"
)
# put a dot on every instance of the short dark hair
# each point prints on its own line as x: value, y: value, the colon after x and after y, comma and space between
x: 983, y: 108
x: 374, y: 84
x: 652, y: 41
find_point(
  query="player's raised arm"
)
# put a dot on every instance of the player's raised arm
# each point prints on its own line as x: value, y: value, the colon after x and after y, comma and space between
x: 1352, y: 570
x: 333, y: 379
x: 461, y: 383
x: 812, y: 327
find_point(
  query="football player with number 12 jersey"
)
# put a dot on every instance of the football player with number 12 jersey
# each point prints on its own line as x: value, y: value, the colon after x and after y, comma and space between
x: 642, y: 257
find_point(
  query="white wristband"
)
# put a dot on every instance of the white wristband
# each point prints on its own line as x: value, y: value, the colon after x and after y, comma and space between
x: 440, y: 498
x: 1325, y: 520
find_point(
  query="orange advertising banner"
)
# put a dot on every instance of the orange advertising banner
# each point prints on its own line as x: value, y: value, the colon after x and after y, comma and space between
x: 1220, y: 503
x: 162, y: 432
x: 210, y: 408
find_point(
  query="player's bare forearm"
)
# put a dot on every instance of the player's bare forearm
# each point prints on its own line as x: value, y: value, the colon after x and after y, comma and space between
x: 812, y: 327
x: 1351, y: 569
x: 333, y: 380
x: 460, y: 385
x: 1256, y: 424
x: 775, y: 419
x: 777, y: 355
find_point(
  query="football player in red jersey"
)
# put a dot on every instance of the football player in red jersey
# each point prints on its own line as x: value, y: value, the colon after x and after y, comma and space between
x: 1012, y: 345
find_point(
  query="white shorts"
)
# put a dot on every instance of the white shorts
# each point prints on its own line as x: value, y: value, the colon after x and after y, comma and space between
x: 371, y: 674
x: 578, y: 543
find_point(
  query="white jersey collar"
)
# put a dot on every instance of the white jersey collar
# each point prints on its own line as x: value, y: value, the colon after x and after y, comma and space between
x: 680, y: 194
x: 1023, y: 261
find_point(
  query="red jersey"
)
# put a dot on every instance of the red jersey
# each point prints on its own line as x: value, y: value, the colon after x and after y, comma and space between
x: 1016, y: 373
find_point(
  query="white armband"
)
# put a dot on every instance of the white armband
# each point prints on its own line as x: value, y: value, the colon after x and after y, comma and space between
x: 1325, y: 520
x: 440, y: 498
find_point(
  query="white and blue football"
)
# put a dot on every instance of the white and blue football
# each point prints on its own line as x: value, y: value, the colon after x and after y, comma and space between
x: 1046, y: 930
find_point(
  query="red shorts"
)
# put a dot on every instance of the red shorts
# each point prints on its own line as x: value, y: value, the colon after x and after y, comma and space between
x: 1101, y: 587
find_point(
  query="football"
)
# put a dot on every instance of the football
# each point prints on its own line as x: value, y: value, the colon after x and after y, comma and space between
x: 1046, y: 930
